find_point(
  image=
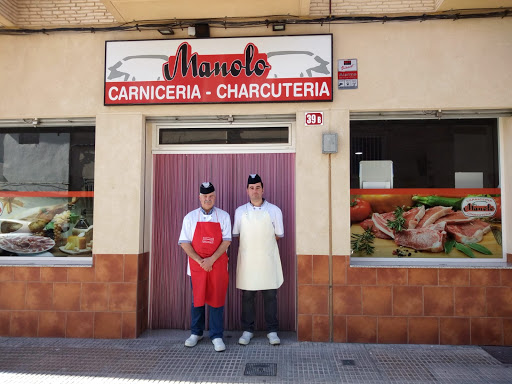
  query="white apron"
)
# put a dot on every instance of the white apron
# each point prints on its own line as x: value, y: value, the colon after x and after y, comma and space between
x: 259, y: 264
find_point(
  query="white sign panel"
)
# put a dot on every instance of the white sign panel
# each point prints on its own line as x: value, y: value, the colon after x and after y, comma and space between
x: 347, y: 74
x: 224, y: 70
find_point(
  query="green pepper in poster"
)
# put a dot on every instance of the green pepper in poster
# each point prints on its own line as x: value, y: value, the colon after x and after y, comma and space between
x: 433, y: 200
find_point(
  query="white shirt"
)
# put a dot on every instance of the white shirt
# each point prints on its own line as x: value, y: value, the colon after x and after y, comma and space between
x: 190, y: 221
x: 216, y: 215
x: 273, y: 210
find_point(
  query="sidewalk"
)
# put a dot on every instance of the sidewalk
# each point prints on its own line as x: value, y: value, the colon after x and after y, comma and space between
x: 160, y: 357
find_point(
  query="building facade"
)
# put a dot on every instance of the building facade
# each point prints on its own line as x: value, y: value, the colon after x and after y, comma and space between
x: 120, y: 282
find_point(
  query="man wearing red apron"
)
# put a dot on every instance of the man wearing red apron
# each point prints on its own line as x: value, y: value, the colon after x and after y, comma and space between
x: 205, y: 237
x: 259, y: 225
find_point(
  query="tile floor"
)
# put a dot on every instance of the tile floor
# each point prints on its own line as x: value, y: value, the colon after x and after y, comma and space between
x: 160, y: 357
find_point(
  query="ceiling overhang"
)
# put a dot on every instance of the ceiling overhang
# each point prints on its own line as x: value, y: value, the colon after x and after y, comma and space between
x: 130, y: 10
x: 449, y: 5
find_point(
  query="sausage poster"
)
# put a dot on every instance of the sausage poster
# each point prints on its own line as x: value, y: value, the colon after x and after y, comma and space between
x: 223, y: 70
x: 440, y: 223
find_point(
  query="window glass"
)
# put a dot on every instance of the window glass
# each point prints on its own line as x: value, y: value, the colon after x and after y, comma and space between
x: 427, y: 153
x: 425, y: 189
x: 260, y: 135
x: 46, y: 192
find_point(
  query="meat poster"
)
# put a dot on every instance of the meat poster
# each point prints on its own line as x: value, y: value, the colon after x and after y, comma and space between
x: 46, y: 224
x: 426, y: 223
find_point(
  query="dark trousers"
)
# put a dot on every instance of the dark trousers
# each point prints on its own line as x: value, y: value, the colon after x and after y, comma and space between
x: 249, y: 309
x: 216, y: 321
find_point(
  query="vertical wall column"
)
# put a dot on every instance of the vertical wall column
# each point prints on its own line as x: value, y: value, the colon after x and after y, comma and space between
x: 505, y: 127
x: 320, y: 240
x: 120, y: 177
x: 119, y: 183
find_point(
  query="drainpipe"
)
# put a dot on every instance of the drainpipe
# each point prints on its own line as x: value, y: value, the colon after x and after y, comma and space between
x: 329, y: 146
x: 330, y: 308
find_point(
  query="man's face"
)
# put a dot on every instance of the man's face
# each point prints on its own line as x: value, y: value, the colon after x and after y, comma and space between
x: 255, y: 192
x: 207, y: 201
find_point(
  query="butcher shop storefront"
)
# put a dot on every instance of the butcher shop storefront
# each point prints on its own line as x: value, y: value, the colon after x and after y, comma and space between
x: 220, y: 149
x: 389, y: 162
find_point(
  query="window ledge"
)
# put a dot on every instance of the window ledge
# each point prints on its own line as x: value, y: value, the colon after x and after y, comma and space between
x: 46, y: 262
x: 426, y: 264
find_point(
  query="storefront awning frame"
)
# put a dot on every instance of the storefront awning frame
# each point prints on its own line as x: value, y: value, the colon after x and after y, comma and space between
x: 431, y: 114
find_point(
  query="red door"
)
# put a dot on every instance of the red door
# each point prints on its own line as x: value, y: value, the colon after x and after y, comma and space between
x: 176, y: 192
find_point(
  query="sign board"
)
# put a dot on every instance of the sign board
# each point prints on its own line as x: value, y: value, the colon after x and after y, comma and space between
x: 347, y: 74
x: 224, y: 70
x: 314, y: 118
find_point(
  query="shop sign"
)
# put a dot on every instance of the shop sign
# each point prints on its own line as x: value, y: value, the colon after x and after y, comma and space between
x: 347, y: 74
x: 225, y: 70
x: 314, y: 118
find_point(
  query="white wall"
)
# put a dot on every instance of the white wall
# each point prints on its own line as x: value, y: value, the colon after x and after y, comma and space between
x: 119, y: 183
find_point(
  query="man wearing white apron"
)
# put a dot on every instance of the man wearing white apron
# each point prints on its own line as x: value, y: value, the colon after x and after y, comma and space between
x: 205, y: 237
x: 259, y: 225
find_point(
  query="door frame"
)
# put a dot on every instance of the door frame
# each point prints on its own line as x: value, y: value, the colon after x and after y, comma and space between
x: 153, y: 126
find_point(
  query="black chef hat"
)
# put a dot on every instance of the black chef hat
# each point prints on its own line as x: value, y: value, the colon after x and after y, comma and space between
x: 206, y: 188
x: 254, y: 179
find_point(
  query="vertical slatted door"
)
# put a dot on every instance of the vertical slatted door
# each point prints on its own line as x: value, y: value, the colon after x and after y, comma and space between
x: 175, y: 193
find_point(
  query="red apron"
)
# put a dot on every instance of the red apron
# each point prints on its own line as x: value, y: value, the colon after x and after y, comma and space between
x: 209, y: 287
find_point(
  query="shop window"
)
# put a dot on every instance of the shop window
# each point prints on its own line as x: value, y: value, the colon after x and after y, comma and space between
x: 445, y: 168
x: 46, y: 193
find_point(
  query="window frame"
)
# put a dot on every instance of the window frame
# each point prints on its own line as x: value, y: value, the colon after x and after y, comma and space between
x: 49, y: 126
x: 438, y: 262
x: 288, y: 147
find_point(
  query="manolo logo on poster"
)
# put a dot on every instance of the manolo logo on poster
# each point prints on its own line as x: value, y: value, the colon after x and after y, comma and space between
x: 479, y: 206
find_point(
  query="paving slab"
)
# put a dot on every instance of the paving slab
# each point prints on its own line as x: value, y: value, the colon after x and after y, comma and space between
x: 161, y: 357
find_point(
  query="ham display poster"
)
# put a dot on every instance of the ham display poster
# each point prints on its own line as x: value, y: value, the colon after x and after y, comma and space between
x: 223, y: 70
x: 50, y: 226
x: 427, y: 223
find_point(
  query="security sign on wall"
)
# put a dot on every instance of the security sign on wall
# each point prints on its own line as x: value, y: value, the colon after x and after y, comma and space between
x: 227, y: 70
x: 347, y: 74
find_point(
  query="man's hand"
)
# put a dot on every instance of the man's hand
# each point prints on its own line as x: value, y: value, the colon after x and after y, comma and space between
x: 207, y: 263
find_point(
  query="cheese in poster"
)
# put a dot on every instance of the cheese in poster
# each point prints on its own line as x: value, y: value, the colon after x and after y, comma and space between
x: 224, y: 70
x: 438, y: 223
